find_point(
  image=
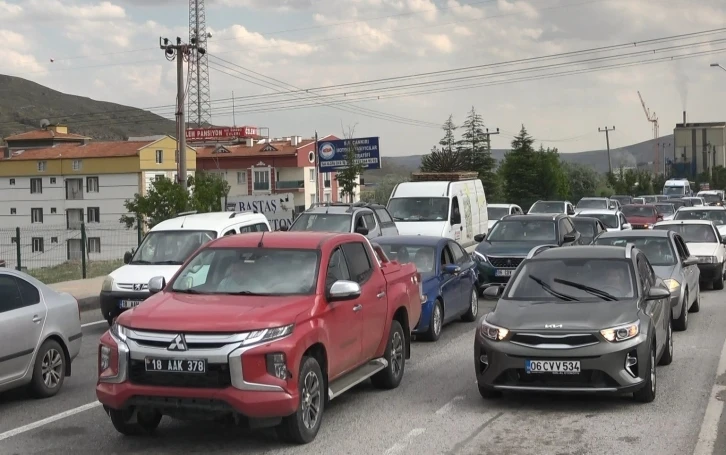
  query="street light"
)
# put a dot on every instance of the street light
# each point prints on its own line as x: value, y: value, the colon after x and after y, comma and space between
x: 717, y: 65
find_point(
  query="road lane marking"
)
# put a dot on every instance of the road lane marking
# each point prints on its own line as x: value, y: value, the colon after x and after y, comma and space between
x: 90, y: 324
x: 461, y: 444
x: 711, y: 419
x: 399, y: 447
x: 48, y: 420
x: 445, y: 409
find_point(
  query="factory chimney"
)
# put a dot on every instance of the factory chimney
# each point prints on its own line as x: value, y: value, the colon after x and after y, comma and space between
x: 684, y: 118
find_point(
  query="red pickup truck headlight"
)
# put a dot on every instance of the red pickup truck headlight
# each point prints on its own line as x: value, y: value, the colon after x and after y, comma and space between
x: 112, y: 356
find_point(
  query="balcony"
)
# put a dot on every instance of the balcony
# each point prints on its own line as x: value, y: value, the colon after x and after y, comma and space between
x: 290, y: 185
x: 261, y: 186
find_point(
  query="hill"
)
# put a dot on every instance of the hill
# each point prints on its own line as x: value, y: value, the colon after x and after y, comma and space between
x: 630, y: 156
x: 23, y: 104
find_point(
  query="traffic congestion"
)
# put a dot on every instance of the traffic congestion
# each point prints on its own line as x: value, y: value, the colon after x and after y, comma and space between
x: 433, y: 323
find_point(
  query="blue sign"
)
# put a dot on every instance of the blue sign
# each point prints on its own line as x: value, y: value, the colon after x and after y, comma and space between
x: 332, y: 155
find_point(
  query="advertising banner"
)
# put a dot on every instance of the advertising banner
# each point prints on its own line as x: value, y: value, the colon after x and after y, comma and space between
x: 332, y: 155
x: 277, y: 208
x: 220, y: 134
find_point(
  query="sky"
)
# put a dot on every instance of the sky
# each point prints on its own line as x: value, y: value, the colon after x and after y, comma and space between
x: 395, y: 69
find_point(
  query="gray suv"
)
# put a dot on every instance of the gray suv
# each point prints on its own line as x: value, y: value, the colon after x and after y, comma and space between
x: 371, y: 220
x: 584, y: 319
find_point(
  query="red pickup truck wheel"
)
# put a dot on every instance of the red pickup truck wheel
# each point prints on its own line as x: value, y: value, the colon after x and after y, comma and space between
x: 391, y: 376
x: 303, y: 426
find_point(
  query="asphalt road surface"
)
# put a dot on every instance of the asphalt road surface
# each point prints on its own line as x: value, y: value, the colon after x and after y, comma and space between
x: 436, y: 410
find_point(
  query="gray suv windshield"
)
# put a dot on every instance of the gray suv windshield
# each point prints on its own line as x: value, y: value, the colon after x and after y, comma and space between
x: 323, y: 222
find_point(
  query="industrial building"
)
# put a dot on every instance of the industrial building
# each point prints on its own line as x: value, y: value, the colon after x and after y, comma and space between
x: 698, y: 147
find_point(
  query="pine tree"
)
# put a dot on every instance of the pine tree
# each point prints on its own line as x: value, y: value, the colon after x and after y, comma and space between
x: 476, y: 152
x: 518, y: 171
x: 448, y: 142
x: 446, y: 158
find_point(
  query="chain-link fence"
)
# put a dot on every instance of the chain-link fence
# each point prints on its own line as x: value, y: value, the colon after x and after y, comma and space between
x: 66, y: 252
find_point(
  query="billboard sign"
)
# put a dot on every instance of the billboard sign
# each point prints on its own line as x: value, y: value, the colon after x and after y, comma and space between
x: 332, y: 154
x: 220, y: 134
x: 277, y: 208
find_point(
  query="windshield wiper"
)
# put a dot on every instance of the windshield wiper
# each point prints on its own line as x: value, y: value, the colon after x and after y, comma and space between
x: 602, y: 294
x: 169, y: 262
x: 140, y: 262
x: 241, y: 293
x: 548, y: 288
x: 188, y: 291
x: 397, y: 218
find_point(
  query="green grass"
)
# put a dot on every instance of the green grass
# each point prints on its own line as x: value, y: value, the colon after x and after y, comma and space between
x: 72, y: 270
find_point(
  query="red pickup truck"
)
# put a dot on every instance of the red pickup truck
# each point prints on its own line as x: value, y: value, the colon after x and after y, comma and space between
x: 261, y: 329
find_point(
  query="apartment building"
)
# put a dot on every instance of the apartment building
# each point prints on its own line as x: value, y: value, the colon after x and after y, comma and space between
x: 50, y: 189
x: 272, y: 166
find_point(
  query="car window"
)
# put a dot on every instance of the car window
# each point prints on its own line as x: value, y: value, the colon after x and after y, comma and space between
x: 384, y: 216
x: 424, y: 257
x: 644, y: 272
x: 230, y: 232
x: 460, y: 257
x: 679, y: 248
x: 370, y: 221
x: 586, y: 227
x: 359, y: 263
x: 658, y: 250
x: 259, y: 227
x: 337, y: 268
x: 694, y: 233
x: 683, y: 245
x: 446, y: 257
x: 10, y: 298
x: 623, y: 220
x: 322, y: 222
x: 30, y: 293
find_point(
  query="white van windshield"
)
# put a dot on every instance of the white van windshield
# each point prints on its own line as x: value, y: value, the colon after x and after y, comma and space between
x: 419, y: 209
x: 170, y: 247
x: 669, y: 190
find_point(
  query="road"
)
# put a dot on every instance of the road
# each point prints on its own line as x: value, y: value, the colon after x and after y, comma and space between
x: 436, y: 410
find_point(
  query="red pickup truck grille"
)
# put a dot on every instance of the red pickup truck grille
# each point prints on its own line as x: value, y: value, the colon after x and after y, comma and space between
x: 216, y: 377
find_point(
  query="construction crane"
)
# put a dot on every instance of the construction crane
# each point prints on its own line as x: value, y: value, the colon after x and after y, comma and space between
x: 652, y: 118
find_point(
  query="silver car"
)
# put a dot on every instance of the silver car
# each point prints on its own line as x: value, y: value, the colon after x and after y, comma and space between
x: 672, y: 262
x: 40, y: 334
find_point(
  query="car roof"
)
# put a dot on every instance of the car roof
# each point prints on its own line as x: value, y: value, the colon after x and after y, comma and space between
x: 534, y: 217
x: 427, y: 240
x: 594, y: 197
x: 303, y: 240
x: 213, y: 221
x: 335, y: 209
x: 638, y: 233
x: 598, y: 212
x: 501, y: 205
x: 703, y: 207
x: 672, y: 222
x: 550, y: 202
x: 576, y: 219
x: 638, y: 205
x: 584, y: 252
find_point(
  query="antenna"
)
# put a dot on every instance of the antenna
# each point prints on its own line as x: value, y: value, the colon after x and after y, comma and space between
x: 199, y: 100
x: 260, y: 245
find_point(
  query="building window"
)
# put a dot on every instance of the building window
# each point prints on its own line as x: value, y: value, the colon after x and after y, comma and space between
x: 326, y: 180
x: 94, y: 244
x: 159, y: 156
x: 312, y: 175
x: 13, y: 211
x: 94, y: 215
x: 52, y: 210
x: 36, y: 186
x: 52, y: 180
x: 158, y: 177
x: 54, y: 240
x: 312, y: 198
x: 77, y: 164
x: 242, y: 178
x: 74, y: 218
x: 327, y: 197
x: 42, y: 166
x: 262, y: 180
x: 36, y: 215
x: 74, y: 189
x: 38, y: 245
x: 12, y: 181
x: 92, y: 184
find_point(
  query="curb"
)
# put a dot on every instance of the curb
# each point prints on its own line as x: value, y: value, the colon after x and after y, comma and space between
x: 89, y: 303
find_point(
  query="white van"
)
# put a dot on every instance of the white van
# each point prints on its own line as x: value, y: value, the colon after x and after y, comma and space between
x: 164, y: 249
x: 677, y: 187
x: 457, y: 210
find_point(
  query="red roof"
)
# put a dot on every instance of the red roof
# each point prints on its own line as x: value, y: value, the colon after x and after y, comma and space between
x: 90, y: 150
x: 283, y: 148
x: 44, y: 134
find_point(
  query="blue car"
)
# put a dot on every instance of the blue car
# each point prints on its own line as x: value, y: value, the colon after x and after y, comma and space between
x: 448, y: 275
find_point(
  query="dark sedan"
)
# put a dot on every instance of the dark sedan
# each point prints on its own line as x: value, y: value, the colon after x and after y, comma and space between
x: 588, y: 227
x: 671, y: 261
x: 584, y: 319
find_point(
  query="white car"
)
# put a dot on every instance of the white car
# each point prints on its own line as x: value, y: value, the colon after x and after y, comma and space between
x: 666, y: 210
x: 614, y: 220
x: 551, y: 208
x: 595, y: 203
x: 716, y: 213
x: 704, y: 242
x: 498, y: 211
x: 696, y: 200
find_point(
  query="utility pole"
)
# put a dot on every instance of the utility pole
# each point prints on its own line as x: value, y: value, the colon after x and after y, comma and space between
x: 488, y: 139
x: 199, y: 103
x: 180, y: 52
x: 317, y: 170
x: 607, y: 130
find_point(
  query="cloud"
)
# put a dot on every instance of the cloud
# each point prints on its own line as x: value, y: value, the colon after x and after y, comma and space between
x: 277, y: 5
x: 440, y: 42
x: 55, y: 9
x: 518, y: 7
x: 9, y: 10
x: 14, y: 54
x: 255, y: 43
x: 464, y: 10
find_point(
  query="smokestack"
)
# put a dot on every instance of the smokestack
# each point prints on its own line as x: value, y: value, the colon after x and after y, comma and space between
x: 684, y: 117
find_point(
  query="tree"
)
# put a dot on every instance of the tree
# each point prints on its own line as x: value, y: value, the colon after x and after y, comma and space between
x: 443, y: 161
x: 448, y: 142
x: 549, y: 175
x: 517, y: 171
x: 347, y: 177
x: 165, y: 199
x: 583, y: 180
x: 476, y: 153
x: 383, y: 189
